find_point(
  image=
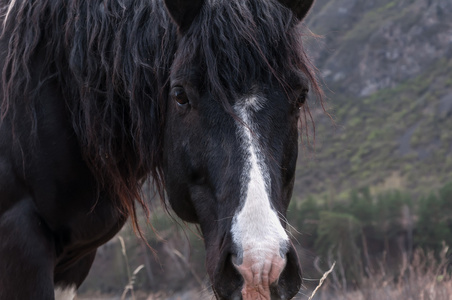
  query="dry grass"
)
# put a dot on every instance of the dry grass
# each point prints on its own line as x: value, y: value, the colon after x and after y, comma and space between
x: 424, y: 278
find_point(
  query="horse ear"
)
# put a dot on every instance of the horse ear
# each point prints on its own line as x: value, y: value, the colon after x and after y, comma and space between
x: 183, y: 12
x: 300, y: 8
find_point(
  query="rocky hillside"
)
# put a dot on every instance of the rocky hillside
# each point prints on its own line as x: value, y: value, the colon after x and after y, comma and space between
x: 387, y: 72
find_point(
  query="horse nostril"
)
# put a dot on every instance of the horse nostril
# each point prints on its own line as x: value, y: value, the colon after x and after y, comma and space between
x: 236, y: 260
x: 227, y: 280
x: 290, y: 279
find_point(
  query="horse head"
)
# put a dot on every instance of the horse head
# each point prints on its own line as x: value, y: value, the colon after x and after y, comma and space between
x: 238, y: 84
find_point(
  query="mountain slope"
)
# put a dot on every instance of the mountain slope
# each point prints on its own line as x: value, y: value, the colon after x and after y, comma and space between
x: 387, y: 69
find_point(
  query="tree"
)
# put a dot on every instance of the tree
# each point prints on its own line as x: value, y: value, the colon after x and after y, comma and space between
x: 435, y: 219
x: 337, y: 237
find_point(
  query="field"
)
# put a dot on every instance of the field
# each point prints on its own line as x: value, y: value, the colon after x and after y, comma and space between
x: 426, y: 277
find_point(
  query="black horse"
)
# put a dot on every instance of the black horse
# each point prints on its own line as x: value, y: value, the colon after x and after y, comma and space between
x: 204, y: 98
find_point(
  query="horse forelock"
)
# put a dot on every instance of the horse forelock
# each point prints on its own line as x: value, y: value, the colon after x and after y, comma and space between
x: 240, y: 43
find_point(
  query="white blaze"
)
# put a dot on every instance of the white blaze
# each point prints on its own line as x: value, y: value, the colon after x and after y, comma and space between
x: 256, y: 228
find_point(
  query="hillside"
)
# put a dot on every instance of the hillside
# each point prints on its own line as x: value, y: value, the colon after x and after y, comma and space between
x: 387, y: 72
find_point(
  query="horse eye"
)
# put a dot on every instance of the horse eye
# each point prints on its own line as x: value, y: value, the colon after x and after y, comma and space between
x: 301, y: 96
x: 301, y: 100
x: 178, y: 94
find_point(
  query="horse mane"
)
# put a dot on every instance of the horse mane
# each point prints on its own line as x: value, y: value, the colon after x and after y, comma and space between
x: 112, y: 59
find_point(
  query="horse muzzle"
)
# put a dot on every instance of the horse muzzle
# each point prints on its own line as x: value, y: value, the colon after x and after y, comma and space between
x: 258, y: 274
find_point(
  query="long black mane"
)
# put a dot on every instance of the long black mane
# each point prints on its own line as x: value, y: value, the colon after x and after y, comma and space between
x: 112, y: 60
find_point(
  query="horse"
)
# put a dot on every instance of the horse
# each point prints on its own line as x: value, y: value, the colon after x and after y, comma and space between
x: 202, y: 98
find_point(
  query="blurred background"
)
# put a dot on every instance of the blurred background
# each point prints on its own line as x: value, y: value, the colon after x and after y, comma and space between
x: 375, y: 193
